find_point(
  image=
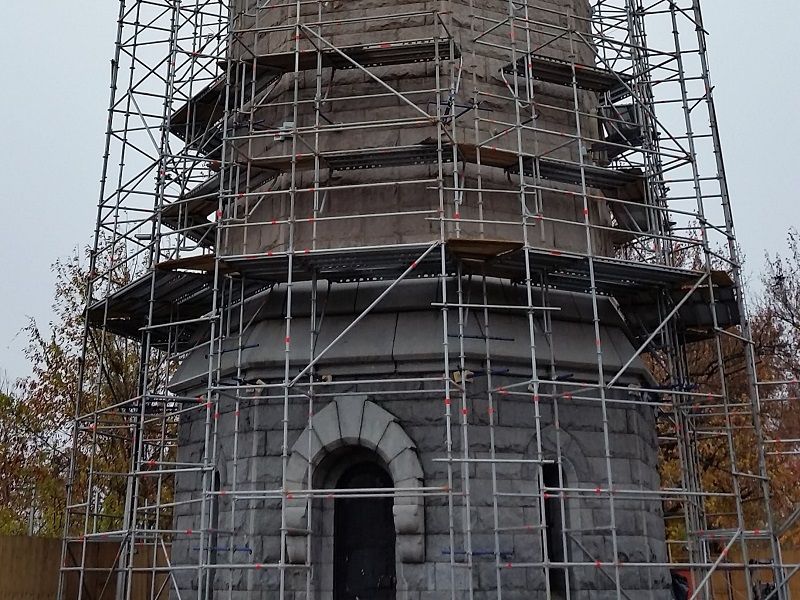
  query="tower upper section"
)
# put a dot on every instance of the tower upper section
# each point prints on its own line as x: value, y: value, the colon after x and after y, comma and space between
x: 371, y: 123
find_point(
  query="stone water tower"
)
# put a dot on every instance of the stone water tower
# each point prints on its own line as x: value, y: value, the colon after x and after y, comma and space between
x: 401, y: 300
x: 432, y: 195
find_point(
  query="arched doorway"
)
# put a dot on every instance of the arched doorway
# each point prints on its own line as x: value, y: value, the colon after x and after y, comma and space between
x: 364, y: 537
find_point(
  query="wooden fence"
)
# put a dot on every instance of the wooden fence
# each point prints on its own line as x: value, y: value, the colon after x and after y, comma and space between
x: 29, y: 568
x: 730, y: 585
x: 29, y: 571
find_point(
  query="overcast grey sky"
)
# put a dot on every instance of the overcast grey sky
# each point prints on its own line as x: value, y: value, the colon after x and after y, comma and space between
x: 54, y: 71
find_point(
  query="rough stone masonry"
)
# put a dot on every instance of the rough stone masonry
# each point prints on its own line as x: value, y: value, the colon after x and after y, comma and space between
x: 379, y: 397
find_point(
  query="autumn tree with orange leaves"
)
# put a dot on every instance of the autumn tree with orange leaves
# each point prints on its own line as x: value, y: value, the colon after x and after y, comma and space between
x: 36, y: 416
x: 720, y: 433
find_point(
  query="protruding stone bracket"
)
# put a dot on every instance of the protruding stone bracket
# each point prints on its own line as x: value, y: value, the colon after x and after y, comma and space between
x: 354, y: 421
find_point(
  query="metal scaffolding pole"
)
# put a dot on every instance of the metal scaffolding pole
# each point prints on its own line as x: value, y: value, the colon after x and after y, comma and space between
x: 546, y: 165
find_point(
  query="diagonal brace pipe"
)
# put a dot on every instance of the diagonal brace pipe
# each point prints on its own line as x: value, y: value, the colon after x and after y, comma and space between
x: 783, y: 584
x: 717, y: 563
x: 356, y: 64
x: 657, y: 330
x: 363, y: 314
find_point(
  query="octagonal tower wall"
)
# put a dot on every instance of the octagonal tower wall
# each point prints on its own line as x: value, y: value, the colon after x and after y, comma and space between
x: 378, y: 108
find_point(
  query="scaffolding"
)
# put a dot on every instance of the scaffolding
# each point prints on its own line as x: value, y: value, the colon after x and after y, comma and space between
x: 213, y: 198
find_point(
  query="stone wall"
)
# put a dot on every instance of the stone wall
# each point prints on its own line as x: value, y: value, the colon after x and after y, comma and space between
x: 361, y: 113
x: 406, y: 427
x: 633, y: 454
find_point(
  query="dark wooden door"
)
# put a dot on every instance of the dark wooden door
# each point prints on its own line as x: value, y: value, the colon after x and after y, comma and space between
x: 364, y: 538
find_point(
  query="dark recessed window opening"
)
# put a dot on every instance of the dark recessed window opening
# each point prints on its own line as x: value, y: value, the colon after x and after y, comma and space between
x: 213, y: 538
x: 364, y: 538
x: 554, y: 530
